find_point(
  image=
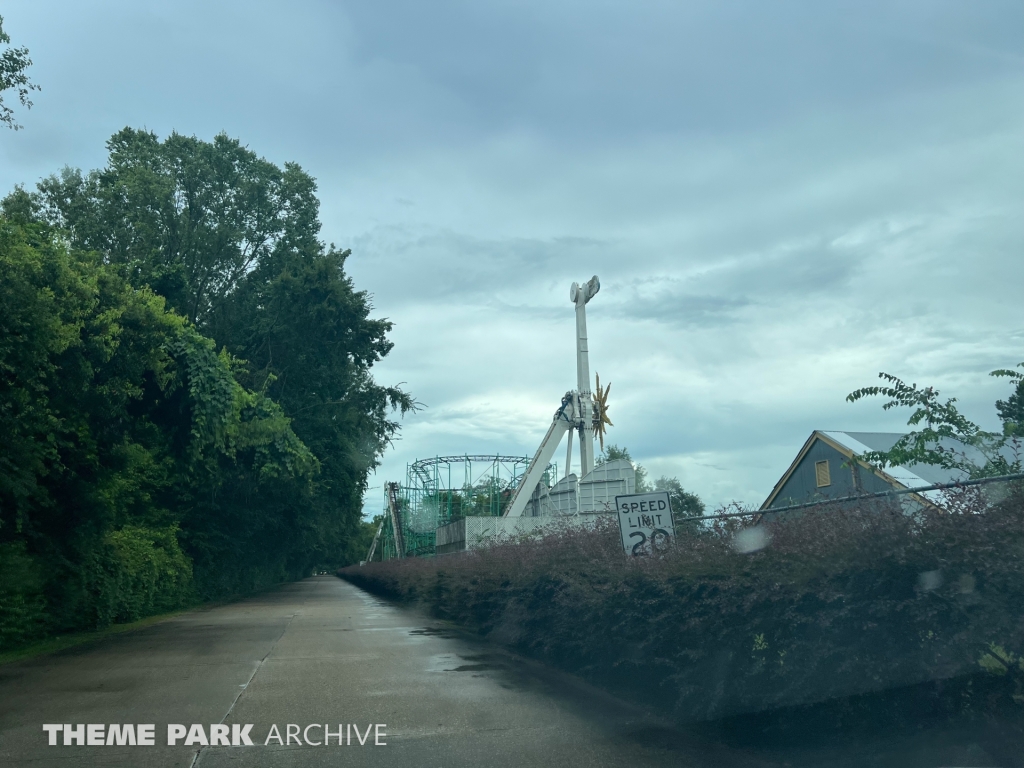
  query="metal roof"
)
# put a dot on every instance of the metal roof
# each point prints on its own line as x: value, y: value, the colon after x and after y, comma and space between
x: 883, y: 441
x: 911, y: 476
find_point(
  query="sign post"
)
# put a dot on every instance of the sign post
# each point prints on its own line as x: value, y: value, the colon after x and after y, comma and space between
x: 645, y: 522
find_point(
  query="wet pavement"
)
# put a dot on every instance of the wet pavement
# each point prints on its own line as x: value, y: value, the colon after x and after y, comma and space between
x: 317, y: 652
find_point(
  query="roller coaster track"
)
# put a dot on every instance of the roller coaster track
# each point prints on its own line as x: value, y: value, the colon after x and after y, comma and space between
x: 423, y: 468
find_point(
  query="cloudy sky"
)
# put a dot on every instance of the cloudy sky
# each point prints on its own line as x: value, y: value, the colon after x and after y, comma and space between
x: 781, y: 199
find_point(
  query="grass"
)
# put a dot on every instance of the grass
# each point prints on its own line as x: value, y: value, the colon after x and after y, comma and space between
x: 62, y: 642
x: 70, y: 640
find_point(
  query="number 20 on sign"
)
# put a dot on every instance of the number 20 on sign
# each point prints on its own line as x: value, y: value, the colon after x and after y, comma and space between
x: 645, y: 522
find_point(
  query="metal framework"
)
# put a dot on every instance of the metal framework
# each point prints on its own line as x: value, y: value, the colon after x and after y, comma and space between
x: 431, y: 497
x: 441, y: 490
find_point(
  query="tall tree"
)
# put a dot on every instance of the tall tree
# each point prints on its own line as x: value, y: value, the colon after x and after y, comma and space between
x: 230, y: 240
x: 684, y: 503
x: 310, y: 343
x: 189, y: 218
x: 127, y: 435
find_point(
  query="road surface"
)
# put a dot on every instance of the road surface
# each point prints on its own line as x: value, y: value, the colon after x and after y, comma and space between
x: 315, y: 652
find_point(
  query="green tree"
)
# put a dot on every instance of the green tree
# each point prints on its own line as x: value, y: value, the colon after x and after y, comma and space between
x: 937, y: 419
x: 113, y: 410
x: 1011, y: 410
x: 185, y: 389
x: 231, y: 241
x: 135, y: 471
x: 13, y: 63
x: 189, y: 218
x: 613, y: 452
x: 684, y: 503
x: 310, y: 344
x: 360, y: 545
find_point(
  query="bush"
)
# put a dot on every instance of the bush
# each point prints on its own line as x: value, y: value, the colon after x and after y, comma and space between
x: 22, y: 604
x: 147, y: 573
x: 127, y: 575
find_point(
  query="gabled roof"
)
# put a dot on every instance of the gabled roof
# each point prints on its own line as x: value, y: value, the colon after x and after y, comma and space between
x: 852, y: 444
x: 910, y: 476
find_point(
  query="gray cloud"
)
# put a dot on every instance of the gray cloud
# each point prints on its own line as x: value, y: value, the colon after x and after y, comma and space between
x: 446, y: 263
x: 683, y: 310
x: 780, y: 199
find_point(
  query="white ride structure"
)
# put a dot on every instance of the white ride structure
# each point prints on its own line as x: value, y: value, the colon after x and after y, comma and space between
x: 534, y: 505
x: 580, y: 410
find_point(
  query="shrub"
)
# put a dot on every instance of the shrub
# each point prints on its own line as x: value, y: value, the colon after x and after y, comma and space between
x: 22, y: 604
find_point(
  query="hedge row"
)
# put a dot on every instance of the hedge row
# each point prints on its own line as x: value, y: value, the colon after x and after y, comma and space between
x: 835, y: 603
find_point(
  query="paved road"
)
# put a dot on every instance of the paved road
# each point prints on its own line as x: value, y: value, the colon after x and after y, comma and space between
x: 322, y: 651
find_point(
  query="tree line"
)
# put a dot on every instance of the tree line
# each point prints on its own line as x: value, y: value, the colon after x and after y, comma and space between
x: 186, y: 398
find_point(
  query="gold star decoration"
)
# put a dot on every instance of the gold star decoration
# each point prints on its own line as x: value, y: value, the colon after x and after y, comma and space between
x: 601, y: 410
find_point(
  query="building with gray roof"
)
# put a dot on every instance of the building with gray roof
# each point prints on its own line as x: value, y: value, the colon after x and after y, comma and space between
x: 828, y: 467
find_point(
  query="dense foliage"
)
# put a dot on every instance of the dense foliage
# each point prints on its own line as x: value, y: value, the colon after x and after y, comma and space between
x: 942, y: 436
x: 185, y: 390
x: 830, y: 604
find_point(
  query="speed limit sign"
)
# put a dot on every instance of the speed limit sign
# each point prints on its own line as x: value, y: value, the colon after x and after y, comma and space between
x: 645, y: 522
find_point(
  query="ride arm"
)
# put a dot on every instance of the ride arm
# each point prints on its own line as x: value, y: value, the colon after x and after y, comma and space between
x: 373, y: 546
x: 534, y: 473
x: 396, y: 519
